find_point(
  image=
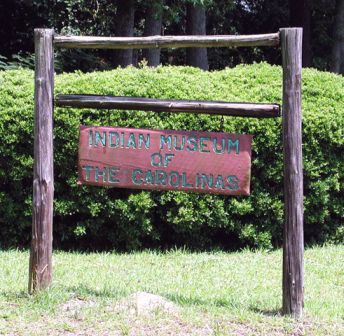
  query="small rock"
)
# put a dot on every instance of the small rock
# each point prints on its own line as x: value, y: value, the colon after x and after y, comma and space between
x: 142, y: 303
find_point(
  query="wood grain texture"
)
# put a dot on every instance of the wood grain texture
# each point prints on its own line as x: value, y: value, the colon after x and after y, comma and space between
x: 204, y: 162
x: 187, y: 41
x: 169, y: 105
x: 40, y: 273
x: 293, y: 242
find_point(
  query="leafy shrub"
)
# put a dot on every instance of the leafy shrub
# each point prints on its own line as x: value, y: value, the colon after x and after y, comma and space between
x: 101, y: 218
x: 21, y: 60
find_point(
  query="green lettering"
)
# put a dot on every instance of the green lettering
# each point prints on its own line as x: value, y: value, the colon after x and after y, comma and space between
x: 192, y: 141
x: 215, y: 146
x: 160, y: 177
x: 101, y: 138
x: 154, y: 162
x: 112, y: 173
x: 90, y: 137
x: 232, y: 182
x: 144, y: 140
x: 88, y: 171
x: 122, y: 140
x: 111, y: 136
x: 149, y: 177
x: 181, y: 147
x: 176, y: 182
x: 204, y: 145
x: 165, y: 140
x: 185, y: 184
x: 219, y: 182
x: 207, y: 180
x: 168, y: 159
x: 131, y: 141
x: 134, y: 177
x: 235, y: 144
x: 197, y: 180
x: 101, y: 173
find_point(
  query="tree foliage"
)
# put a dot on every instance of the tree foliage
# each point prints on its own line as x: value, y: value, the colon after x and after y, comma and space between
x: 89, y: 17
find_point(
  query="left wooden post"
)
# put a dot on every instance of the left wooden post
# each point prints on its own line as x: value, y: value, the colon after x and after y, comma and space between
x: 40, y: 270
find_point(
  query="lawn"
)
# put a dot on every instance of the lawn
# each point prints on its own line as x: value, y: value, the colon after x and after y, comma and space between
x: 212, y: 294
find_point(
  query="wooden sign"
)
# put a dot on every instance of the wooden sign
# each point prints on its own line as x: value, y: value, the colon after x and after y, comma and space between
x: 208, y: 162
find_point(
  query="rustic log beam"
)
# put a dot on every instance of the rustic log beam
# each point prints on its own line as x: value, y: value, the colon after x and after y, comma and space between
x: 167, y: 41
x: 169, y: 105
x: 40, y: 272
x: 293, y: 244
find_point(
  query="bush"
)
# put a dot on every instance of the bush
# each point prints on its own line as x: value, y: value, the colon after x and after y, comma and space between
x: 101, y: 218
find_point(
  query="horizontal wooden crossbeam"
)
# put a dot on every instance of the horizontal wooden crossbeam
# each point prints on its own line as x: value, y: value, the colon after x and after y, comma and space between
x: 169, y: 105
x: 187, y: 41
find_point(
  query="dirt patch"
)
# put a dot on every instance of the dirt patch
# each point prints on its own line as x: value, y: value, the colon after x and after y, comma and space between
x: 142, y: 303
x: 73, y: 307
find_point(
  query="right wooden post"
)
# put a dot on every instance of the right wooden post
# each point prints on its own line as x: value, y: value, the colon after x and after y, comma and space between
x: 293, y: 241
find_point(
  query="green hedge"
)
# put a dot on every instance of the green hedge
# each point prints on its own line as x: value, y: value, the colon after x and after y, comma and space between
x: 101, y: 218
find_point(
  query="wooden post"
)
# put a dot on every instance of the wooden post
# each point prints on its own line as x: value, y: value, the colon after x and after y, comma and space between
x: 293, y: 245
x: 40, y: 272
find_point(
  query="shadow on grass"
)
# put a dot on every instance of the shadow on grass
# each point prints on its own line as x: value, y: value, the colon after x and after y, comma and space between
x: 116, y: 294
x: 196, y: 301
x: 80, y: 291
x: 112, y: 293
x: 266, y: 312
x: 229, y: 302
x: 13, y: 295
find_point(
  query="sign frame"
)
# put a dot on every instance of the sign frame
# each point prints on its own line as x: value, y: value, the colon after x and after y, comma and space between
x: 290, y: 40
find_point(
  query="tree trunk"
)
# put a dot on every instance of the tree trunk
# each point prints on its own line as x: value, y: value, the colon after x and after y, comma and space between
x: 124, y: 27
x: 196, y: 25
x: 338, y: 43
x: 300, y: 16
x: 153, y: 25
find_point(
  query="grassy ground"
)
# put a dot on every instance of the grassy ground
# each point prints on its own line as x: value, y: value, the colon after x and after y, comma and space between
x: 214, y: 294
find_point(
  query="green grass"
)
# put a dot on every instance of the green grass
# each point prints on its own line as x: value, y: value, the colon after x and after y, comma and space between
x: 217, y: 294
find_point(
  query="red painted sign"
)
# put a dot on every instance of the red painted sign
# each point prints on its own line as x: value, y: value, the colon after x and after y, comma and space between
x: 208, y: 162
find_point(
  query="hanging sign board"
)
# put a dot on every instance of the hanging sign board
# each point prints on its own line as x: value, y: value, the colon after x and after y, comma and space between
x: 207, y: 162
